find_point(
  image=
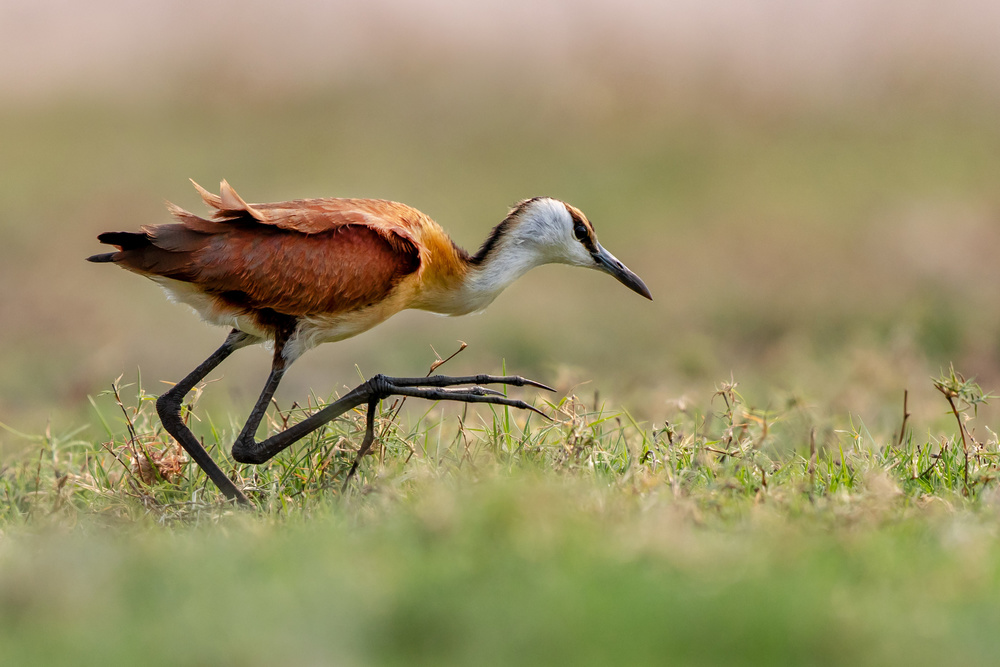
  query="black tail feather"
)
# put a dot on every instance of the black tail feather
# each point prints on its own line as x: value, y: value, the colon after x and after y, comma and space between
x: 103, y: 257
x: 125, y: 240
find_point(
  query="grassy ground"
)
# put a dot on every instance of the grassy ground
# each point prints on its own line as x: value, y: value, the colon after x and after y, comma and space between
x: 720, y: 536
x: 724, y: 482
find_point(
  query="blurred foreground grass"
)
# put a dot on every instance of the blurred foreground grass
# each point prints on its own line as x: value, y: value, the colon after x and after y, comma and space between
x: 513, y: 571
x: 727, y: 535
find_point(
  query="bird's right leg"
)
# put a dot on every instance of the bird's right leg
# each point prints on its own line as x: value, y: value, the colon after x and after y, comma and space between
x: 435, y: 387
x: 168, y: 406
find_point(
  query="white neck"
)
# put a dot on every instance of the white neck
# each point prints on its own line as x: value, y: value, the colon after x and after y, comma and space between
x: 484, y: 283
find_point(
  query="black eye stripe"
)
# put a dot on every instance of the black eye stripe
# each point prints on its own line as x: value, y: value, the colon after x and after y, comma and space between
x: 582, y: 232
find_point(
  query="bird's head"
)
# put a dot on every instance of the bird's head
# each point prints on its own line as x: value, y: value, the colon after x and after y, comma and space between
x: 544, y: 230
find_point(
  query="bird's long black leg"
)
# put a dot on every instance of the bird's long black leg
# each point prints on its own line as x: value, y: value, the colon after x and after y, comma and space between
x: 168, y: 407
x: 366, y: 444
x: 371, y: 392
x: 251, y: 451
x: 247, y: 450
x: 245, y: 443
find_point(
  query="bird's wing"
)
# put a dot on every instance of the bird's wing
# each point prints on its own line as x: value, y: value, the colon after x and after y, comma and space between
x: 332, y: 272
x: 309, y: 216
x: 304, y: 257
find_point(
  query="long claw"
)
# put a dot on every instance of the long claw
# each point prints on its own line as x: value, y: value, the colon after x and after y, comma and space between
x: 477, y: 390
x: 533, y: 383
x: 519, y: 381
x: 514, y: 380
x: 524, y: 406
x: 465, y: 397
x: 450, y: 381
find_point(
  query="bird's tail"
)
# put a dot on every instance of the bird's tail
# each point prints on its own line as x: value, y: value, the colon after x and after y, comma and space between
x: 124, y: 241
x: 102, y: 257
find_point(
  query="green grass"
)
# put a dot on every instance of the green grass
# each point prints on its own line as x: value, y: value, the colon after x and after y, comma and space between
x: 725, y: 535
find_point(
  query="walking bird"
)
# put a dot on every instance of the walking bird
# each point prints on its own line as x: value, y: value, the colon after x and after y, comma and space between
x: 309, y: 271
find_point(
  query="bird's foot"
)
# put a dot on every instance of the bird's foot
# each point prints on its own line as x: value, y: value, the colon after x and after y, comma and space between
x: 449, y: 388
x: 465, y: 389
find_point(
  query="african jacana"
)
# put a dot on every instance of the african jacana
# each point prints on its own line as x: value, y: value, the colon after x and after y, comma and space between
x: 304, y: 272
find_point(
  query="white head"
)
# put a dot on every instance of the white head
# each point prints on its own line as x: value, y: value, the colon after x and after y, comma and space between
x: 544, y: 231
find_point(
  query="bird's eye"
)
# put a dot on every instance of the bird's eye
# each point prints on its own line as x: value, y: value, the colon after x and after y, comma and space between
x: 580, y: 230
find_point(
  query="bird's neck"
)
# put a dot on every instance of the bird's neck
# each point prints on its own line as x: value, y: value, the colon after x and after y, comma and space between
x: 484, y: 282
x: 470, y: 284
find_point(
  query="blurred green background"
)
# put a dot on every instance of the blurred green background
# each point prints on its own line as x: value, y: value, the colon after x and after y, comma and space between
x: 810, y: 191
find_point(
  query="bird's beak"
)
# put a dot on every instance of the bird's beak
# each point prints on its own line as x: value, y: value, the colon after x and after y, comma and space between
x: 608, y: 263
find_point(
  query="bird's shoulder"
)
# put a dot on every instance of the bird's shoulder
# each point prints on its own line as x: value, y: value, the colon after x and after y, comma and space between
x: 311, y: 216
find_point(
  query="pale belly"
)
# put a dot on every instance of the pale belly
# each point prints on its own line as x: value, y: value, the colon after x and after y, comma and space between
x: 209, y: 309
x: 309, y: 332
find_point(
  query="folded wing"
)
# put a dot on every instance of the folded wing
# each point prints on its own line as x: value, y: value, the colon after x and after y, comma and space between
x: 303, y: 257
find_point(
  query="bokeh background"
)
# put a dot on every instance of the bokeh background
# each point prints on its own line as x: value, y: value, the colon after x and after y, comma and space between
x: 810, y: 189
